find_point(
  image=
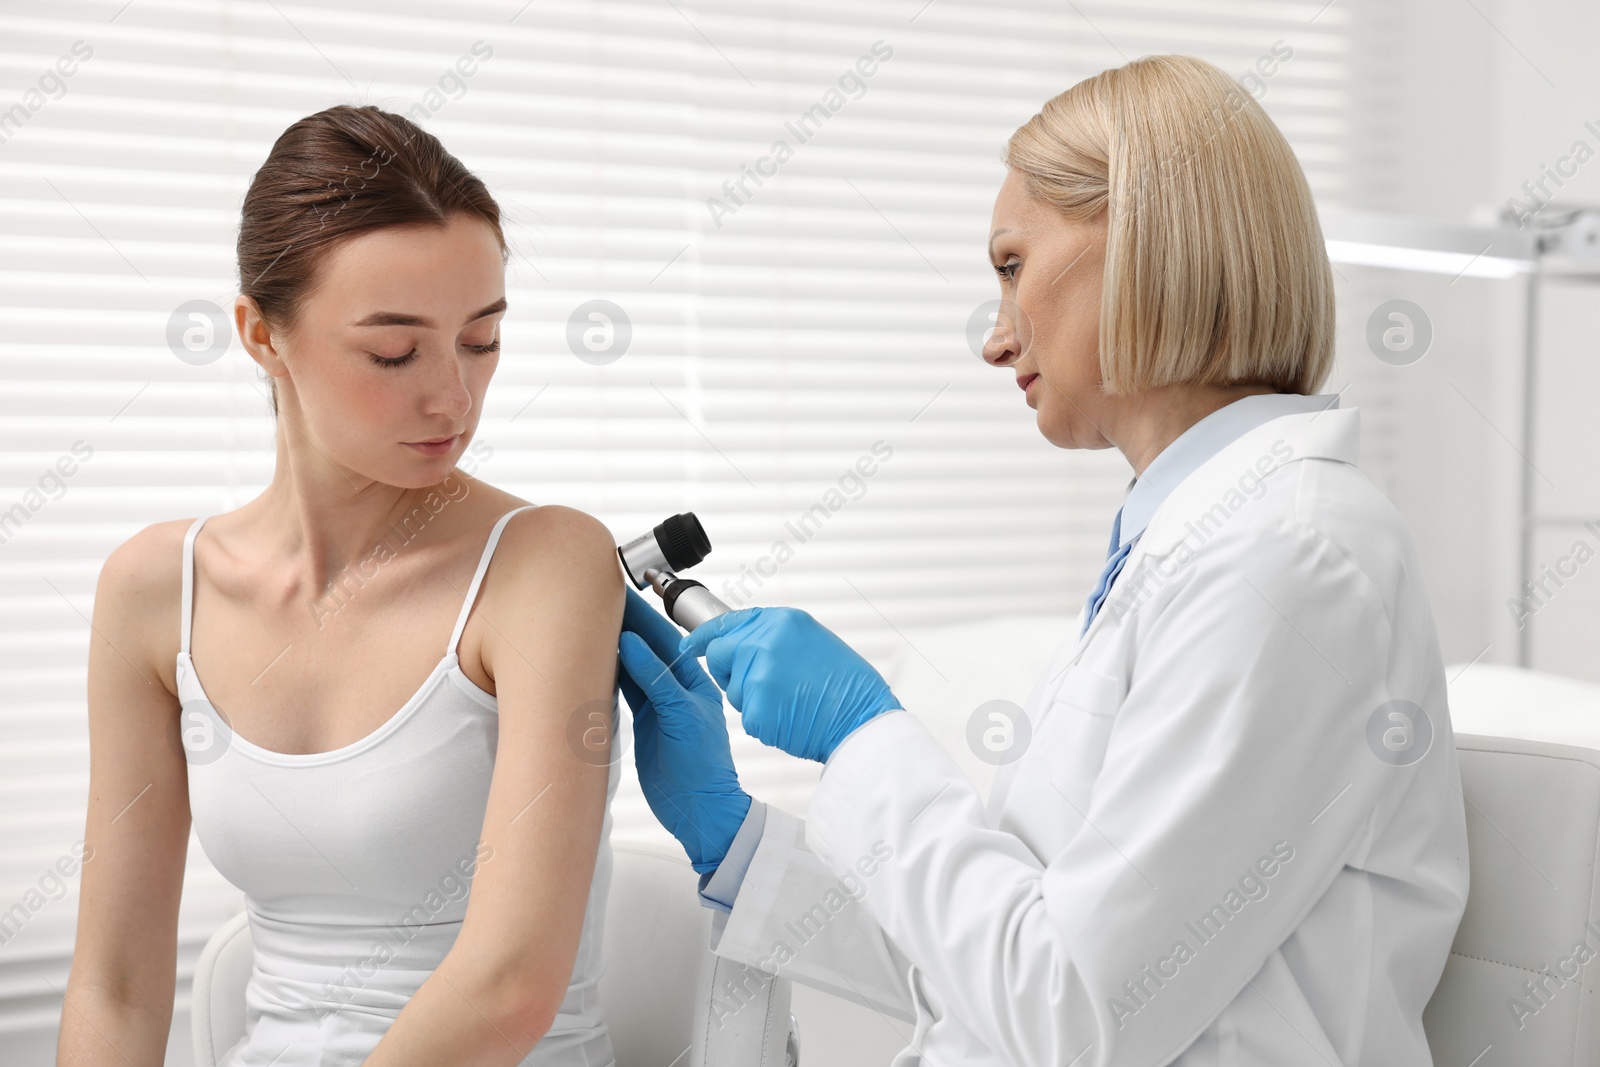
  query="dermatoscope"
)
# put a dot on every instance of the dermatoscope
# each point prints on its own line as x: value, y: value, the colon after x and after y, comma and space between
x: 653, y: 559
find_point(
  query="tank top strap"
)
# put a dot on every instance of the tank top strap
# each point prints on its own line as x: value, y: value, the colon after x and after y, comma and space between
x: 187, y: 597
x: 477, y: 577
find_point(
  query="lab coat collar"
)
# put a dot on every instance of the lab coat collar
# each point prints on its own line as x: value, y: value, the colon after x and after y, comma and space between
x: 1326, y: 433
x: 1230, y: 479
x: 1199, y: 443
x: 1329, y: 432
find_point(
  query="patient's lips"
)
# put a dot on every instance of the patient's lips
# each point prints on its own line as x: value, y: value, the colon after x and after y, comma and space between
x: 438, y: 446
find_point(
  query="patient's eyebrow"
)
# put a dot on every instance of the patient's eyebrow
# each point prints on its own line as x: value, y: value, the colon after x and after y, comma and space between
x: 400, y: 318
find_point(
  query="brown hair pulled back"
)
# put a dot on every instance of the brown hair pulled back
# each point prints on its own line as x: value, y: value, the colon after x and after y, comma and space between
x: 331, y: 176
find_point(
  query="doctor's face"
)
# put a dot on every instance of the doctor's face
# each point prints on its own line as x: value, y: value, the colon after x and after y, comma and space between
x: 1048, y: 329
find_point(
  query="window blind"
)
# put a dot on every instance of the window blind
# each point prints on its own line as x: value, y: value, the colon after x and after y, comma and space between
x: 749, y: 279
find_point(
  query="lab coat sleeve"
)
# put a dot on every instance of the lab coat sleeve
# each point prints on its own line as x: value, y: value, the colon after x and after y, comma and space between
x: 796, y: 918
x: 1237, y: 776
x: 719, y: 888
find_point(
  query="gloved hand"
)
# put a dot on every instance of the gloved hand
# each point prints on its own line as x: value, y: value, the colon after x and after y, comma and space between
x: 796, y: 685
x: 680, y: 737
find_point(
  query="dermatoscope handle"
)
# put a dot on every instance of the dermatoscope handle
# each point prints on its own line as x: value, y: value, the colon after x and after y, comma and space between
x: 688, y: 603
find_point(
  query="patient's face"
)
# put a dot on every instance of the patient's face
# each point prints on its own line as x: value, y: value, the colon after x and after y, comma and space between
x: 1050, y: 278
x: 396, y: 344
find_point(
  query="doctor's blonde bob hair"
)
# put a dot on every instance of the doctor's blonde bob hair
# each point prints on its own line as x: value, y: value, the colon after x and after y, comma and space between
x: 1215, y: 270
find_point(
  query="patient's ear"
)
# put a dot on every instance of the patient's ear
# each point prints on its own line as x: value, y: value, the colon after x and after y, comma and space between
x: 256, y: 336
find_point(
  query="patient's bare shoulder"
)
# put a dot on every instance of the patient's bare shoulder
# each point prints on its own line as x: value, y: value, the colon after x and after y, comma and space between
x: 555, y: 536
x: 558, y: 581
x: 138, y: 598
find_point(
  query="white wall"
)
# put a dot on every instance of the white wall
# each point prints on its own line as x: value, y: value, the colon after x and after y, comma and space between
x: 1486, y: 94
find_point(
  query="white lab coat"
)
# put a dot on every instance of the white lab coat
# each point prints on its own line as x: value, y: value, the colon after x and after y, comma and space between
x: 1201, y: 857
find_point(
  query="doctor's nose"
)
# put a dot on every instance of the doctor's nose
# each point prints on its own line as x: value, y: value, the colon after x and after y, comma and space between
x: 1002, y: 347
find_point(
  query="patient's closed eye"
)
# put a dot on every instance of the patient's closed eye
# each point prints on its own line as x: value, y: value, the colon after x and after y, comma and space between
x: 400, y: 361
x: 396, y: 361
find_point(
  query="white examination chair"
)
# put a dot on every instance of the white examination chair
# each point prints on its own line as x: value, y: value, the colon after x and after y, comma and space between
x: 1514, y: 992
x: 657, y: 935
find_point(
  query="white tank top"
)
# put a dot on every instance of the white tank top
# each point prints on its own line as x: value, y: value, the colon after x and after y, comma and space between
x: 356, y: 863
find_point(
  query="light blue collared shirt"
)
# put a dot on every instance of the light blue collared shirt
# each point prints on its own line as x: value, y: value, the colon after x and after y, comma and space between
x: 1145, y: 493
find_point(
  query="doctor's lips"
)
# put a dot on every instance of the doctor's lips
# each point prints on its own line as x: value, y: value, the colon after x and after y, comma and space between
x: 437, y: 446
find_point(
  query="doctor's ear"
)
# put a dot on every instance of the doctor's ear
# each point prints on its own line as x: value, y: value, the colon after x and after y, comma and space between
x: 256, y: 335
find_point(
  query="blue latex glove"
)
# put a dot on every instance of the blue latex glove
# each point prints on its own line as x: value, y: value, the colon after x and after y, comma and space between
x: 680, y: 737
x: 796, y: 685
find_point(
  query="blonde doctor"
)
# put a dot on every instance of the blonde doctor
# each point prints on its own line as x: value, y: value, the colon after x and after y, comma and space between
x: 1234, y: 834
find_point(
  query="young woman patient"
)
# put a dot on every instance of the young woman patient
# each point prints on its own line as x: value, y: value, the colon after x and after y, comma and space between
x: 373, y: 686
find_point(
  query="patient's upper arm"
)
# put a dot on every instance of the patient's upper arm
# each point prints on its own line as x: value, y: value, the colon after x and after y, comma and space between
x: 552, y: 615
x: 137, y: 826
